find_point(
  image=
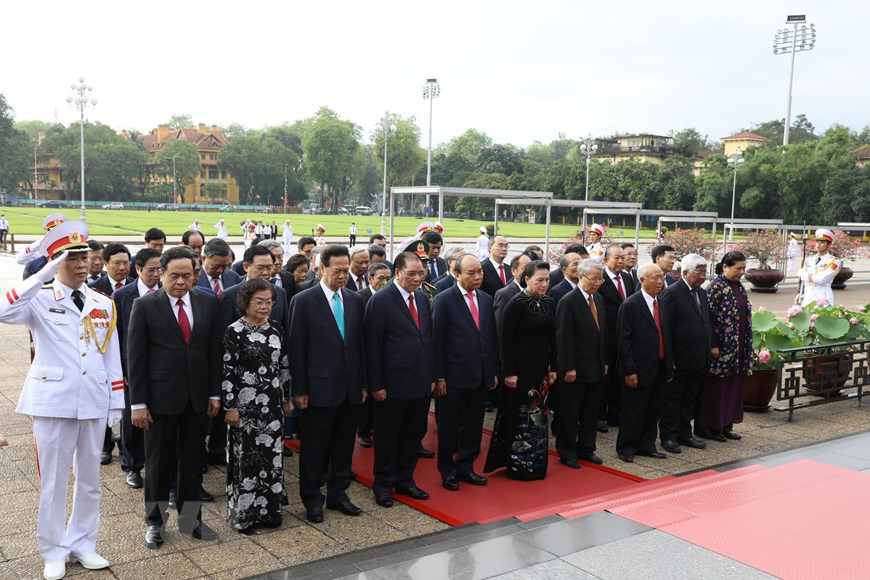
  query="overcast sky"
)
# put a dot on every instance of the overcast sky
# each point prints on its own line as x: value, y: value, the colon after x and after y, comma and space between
x: 519, y: 71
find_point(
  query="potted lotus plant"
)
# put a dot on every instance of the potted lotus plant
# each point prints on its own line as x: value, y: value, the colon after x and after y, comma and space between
x: 769, y: 336
x: 767, y: 248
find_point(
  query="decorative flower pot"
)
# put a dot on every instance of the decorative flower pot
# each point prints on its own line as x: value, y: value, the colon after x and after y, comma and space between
x: 826, y: 375
x: 758, y: 390
x: 764, y: 280
x: 840, y: 279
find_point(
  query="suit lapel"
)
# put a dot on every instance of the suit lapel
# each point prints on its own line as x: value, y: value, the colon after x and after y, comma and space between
x: 646, y: 311
x: 584, y: 308
x: 197, y: 307
x: 326, y: 311
x: 463, y: 307
x: 397, y: 297
x: 165, y: 309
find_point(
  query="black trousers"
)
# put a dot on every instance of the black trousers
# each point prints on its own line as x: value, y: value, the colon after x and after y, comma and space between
x: 610, y: 405
x: 401, y: 425
x: 217, y: 435
x: 460, y: 425
x: 327, y: 441
x: 352, y: 239
x: 641, y: 409
x: 366, y: 419
x: 678, y: 409
x: 578, y: 418
x: 185, y: 433
x: 108, y: 441
x: 132, y: 440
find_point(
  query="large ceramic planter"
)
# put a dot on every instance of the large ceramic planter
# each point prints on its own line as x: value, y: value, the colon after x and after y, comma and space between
x: 841, y: 278
x: 825, y: 375
x: 758, y: 390
x: 764, y: 280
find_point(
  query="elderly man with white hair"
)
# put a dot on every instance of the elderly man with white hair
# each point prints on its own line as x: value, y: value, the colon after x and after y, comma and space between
x: 691, y: 333
x: 359, y: 266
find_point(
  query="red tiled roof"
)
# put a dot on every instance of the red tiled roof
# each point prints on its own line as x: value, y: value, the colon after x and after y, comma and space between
x: 746, y: 135
x: 863, y: 153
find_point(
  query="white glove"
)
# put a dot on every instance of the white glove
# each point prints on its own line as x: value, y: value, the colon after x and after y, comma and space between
x: 49, y: 271
x: 114, y: 417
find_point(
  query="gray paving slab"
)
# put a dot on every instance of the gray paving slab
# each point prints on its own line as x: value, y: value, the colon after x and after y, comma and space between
x: 570, y: 536
x: 552, y: 570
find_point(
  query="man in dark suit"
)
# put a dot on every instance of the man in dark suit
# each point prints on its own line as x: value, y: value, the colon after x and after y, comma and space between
x: 556, y: 276
x: 117, y: 260
x: 569, y: 266
x: 280, y: 278
x: 466, y: 364
x: 174, y: 366
x: 437, y: 265
x: 313, y: 272
x: 504, y: 295
x: 379, y: 274
x: 646, y: 365
x: 496, y: 274
x: 448, y: 279
x: 581, y: 329
x: 216, y: 260
x: 359, y: 265
x: 692, y: 336
x: 132, y: 445
x: 326, y: 362
x: 401, y: 377
x: 615, y: 288
x: 95, y: 261
x: 630, y: 266
x: 663, y: 257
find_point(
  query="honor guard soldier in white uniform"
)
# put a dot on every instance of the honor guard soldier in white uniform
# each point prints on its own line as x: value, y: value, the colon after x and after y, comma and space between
x: 596, y: 248
x: 73, y: 390
x: 819, y: 271
x: 30, y: 252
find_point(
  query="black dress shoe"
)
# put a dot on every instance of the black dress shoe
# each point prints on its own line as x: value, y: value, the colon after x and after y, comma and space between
x: 472, y: 478
x: 489, y: 408
x: 153, y: 537
x: 384, y: 499
x: 204, y: 495
x: 105, y: 457
x: 412, y: 491
x: 653, y: 454
x: 450, y: 483
x: 249, y: 531
x: 590, y: 457
x: 286, y: 451
x: 713, y: 436
x: 627, y: 457
x: 426, y: 453
x: 134, y: 480
x: 693, y: 443
x: 613, y: 422
x: 365, y: 441
x: 172, y: 497
x: 572, y: 463
x: 671, y: 446
x: 602, y: 427
x: 733, y: 435
x: 344, y: 506
x: 200, y: 531
x: 314, y: 514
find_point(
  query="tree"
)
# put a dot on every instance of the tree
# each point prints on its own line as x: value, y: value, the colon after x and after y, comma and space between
x: 504, y: 159
x: 179, y: 121
x: 16, y: 151
x: 257, y: 162
x: 801, y: 130
x: 327, y: 143
x: 688, y: 142
x: 405, y: 157
x: 187, y: 165
x: 215, y: 190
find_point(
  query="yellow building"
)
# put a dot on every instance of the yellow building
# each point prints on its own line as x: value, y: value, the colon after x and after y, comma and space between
x: 209, y: 142
x: 742, y: 141
x: 49, y: 174
x: 644, y: 147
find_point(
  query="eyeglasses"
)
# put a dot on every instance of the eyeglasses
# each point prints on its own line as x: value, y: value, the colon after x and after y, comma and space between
x: 381, y: 278
x: 414, y: 273
x: 596, y: 281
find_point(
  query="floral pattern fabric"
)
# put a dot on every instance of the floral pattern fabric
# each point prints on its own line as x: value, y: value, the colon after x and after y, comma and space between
x: 731, y: 316
x: 256, y: 374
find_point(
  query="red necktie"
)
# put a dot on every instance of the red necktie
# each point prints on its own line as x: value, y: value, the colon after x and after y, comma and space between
x: 619, y: 287
x: 361, y: 284
x: 183, y: 321
x: 501, y: 274
x: 413, y: 308
x: 475, y: 315
x: 118, y: 285
x: 659, y: 327
x: 217, y: 287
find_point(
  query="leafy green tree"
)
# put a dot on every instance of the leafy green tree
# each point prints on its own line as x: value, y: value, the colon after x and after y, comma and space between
x: 801, y: 130
x: 187, y: 163
x: 405, y: 157
x: 257, y: 162
x: 327, y: 144
x: 215, y: 190
x: 180, y: 121
x: 16, y: 152
x: 497, y: 158
x: 688, y: 142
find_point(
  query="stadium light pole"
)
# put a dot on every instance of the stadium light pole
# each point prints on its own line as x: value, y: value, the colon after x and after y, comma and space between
x: 735, y: 160
x: 387, y: 128
x: 81, y: 100
x: 431, y: 91
x: 792, y: 41
x: 587, y: 148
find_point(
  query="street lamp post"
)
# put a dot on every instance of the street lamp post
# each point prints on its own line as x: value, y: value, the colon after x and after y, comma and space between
x: 792, y: 41
x: 387, y: 128
x: 285, y: 187
x: 587, y: 148
x: 735, y: 160
x: 81, y: 100
x: 430, y: 92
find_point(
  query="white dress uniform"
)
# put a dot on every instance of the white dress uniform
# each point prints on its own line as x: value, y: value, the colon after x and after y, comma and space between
x: 287, y: 235
x: 195, y: 227
x: 823, y: 270
x: 596, y: 250
x: 221, y: 230
x: 792, y: 254
x: 482, y: 250
x: 73, y: 383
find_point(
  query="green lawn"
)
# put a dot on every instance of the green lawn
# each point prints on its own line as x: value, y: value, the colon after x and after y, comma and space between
x: 131, y: 222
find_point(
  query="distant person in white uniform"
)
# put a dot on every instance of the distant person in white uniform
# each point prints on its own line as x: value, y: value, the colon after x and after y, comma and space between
x: 221, y: 230
x: 482, y: 245
x: 596, y: 248
x: 287, y: 236
x: 195, y: 226
x: 318, y: 235
x: 74, y: 388
x: 4, y: 229
x: 819, y: 270
x: 792, y: 252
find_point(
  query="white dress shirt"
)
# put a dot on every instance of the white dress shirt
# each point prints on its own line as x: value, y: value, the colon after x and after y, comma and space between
x: 496, y: 265
x: 329, y: 293
x: 649, y: 302
x: 464, y: 293
x: 143, y: 289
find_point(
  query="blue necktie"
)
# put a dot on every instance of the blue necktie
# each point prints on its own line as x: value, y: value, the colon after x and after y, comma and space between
x: 338, y: 312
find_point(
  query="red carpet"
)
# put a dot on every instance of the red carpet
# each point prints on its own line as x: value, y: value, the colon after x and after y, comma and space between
x: 501, y: 497
x: 800, y: 520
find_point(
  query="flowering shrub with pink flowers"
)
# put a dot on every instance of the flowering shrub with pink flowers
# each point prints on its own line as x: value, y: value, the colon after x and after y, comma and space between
x: 765, y: 246
x: 690, y: 241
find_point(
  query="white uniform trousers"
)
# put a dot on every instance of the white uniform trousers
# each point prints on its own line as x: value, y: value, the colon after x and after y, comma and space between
x: 59, y: 443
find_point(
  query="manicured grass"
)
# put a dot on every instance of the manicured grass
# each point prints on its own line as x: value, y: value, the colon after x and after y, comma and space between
x: 132, y: 222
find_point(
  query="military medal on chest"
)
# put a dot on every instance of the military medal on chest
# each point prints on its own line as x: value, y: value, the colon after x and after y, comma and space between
x: 101, y: 319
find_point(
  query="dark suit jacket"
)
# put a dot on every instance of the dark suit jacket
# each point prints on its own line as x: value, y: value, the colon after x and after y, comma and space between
x: 398, y: 354
x: 124, y: 298
x: 612, y: 301
x: 104, y: 285
x: 440, y: 268
x: 499, y: 302
x: 691, y: 330
x: 239, y: 268
x: 366, y: 293
x: 556, y: 277
x: 464, y: 356
x: 310, y: 283
x: 491, y: 280
x: 164, y: 372
x: 638, y: 340
x: 288, y: 283
x: 228, y: 310
x: 446, y: 281
x: 324, y: 366
x: 635, y: 280
x: 351, y: 284
x: 102, y: 274
x: 560, y: 290
x: 669, y: 281
x: 581, y: 344
x: 228, y: 279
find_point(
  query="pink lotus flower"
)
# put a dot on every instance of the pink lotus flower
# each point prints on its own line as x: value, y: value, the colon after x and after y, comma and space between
x: 764, y: 356
x: 813, y: 317
x: 861, y: 309
x: 822, y: 301
x: 793, y: 310
x: 853, y: 321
